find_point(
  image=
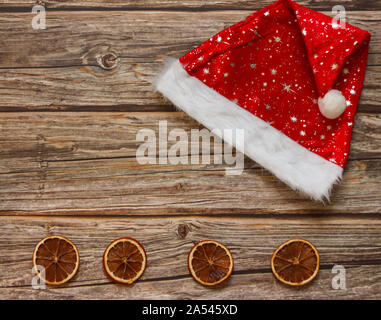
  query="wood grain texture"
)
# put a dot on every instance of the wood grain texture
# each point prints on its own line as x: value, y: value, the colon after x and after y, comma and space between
x: 85, y: 163
x: 59, y: 69
x: 184, y: 4
x: 354, y: 244
x: 75, y: 173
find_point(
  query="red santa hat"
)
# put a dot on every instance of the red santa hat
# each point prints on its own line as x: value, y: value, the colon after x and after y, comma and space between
x: 291, y: 78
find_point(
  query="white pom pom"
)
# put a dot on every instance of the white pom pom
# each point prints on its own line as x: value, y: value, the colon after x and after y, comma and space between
x: 333, y: 104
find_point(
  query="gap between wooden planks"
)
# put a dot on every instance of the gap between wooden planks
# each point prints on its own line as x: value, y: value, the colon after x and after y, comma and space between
x: 353, y: 243
x: 182, y: 5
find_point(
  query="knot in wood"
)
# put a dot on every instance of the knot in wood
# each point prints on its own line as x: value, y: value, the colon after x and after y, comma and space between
x: 183, y: 230
x: 108, y: 61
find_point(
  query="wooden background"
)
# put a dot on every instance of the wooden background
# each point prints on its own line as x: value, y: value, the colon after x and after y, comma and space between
x: 72, y: 98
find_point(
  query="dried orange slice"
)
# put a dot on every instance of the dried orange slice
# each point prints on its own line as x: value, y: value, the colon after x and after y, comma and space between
x: 55, y: 260
x: 210, y: 262
x: 295, y: 262
x: 124, y: 260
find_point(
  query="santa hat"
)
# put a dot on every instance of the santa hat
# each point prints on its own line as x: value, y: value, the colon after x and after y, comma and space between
x: 291, y: 78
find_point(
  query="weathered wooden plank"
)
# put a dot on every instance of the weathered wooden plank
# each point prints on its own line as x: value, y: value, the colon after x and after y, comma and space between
x: 85, y: 163
x: 109, y: 189
x: 352, y: 243
x: 187, y: 4
x: 59, y: 68
x: 70, y: 89
x: 71, y: 136
x: 363, y: 283
x: 144, y: 36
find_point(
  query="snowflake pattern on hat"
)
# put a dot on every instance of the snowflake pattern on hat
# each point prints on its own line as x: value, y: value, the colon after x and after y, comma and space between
x: 279, y: 66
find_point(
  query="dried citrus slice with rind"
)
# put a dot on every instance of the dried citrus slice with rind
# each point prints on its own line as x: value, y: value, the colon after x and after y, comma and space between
x: 55, y: 260
x: 296, y: 262
x: 210, y: 262
x: 124, y: 260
